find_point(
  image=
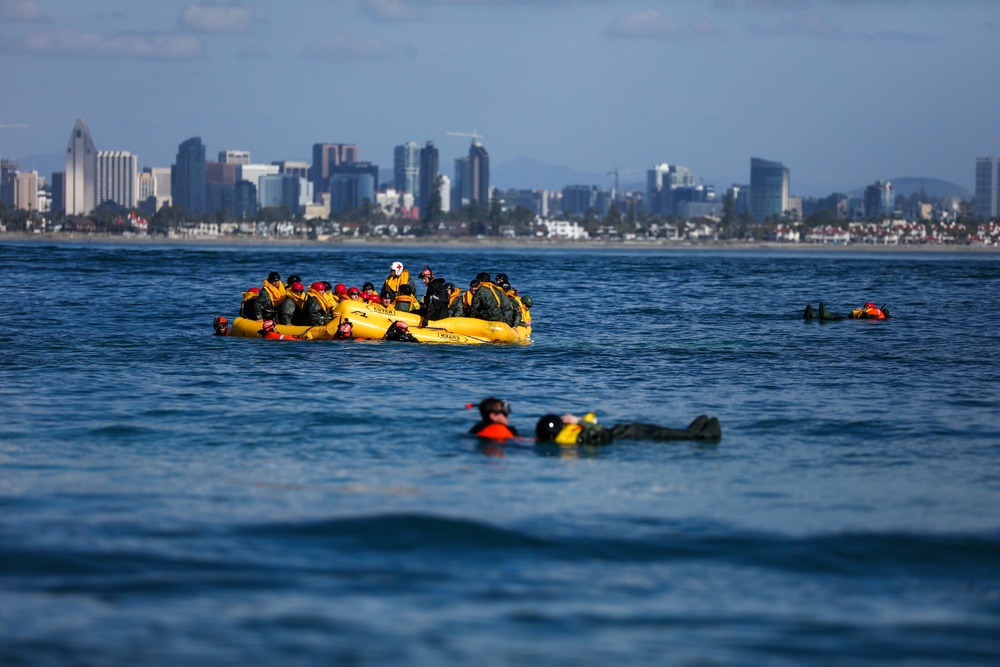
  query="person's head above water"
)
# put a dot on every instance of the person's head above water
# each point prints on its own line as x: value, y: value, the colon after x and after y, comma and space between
x: 491, y: 406
x: 548, y: 427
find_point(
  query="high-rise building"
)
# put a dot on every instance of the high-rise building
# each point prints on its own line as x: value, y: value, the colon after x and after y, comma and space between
x: 234, y: 157
x: 8, y: 174
x: 461, y: 194
x: 187, y: 179
x: 326, y: 156
x: 445, y: 193
x: 244, y: 201
x: 768, y: 189
x: 479, y: 175
x: 26, y: 191
x: 987, y: 187
x: 254, y: 172
x: 349, y: 190
x: 220, y: 172
x: 428, y: 174
x: 579, y: 199
x: 117, y: 178
x: 81, y: 171
x: 277, y: 190
x: 293, y: 168
x: 661, y: 181
x: 58, y: 191
x: 406, y: 169
x: 879, y: 201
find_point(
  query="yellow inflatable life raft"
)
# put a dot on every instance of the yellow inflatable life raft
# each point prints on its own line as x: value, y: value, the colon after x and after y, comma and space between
x: 370, y: 321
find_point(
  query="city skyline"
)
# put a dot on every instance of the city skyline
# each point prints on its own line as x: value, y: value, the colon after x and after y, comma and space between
x: 842, y: 93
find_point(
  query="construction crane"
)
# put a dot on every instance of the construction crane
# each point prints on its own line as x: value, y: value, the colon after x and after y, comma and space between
x: 474, y: 135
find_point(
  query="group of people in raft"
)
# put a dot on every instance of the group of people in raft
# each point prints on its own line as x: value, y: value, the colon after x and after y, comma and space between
x: 488, y: 298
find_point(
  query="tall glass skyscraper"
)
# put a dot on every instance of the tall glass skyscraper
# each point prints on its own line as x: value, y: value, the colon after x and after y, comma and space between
x: 406, y: 169
x: 987, y: 187
x: 768, y: 189
x: 428, y: 174
x: 188, y: 177
x: 479, y: 175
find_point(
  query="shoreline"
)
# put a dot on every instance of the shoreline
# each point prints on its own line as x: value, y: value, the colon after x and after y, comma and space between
x: 564, y: 244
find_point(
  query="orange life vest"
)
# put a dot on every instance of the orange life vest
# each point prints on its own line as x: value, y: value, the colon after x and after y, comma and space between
x: 872, y: 312
x: 496, y: 432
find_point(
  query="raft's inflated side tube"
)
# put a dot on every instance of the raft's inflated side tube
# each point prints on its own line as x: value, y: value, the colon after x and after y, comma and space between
x: 244, y: 328
x: 371, y: 321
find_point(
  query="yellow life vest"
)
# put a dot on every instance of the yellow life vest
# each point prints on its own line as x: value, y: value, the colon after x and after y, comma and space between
x: 299, y: 299
x: 393, y: 282
x: 525, y: 313
x: 467, y: 299
x: 276, y: 292
x: 328, y: 300
x: 457, y: 295
x: 570, y: 432
x: 406, y: 299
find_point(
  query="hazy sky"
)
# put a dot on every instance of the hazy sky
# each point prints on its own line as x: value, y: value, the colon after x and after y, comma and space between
x: 843, y: 92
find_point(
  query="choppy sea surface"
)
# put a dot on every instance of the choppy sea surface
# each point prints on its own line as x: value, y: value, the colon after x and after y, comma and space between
x: 172, y: 498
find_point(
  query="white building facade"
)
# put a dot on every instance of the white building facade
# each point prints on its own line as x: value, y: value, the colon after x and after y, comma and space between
x: 81, y: 171
x: 117, y: 178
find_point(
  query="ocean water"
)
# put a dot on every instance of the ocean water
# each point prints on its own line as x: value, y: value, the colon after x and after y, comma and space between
x: 172, y: 498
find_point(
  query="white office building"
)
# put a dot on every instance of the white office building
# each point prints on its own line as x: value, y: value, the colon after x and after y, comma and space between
x: 81, y: 171
x: 117, y: 178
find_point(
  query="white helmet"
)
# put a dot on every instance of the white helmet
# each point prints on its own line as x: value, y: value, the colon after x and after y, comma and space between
x: 397, y: 268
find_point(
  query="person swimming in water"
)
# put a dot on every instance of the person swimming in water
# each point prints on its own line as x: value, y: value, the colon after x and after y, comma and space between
x: 570, y: 429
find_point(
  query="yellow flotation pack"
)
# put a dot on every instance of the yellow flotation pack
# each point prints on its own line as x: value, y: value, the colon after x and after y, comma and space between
x: 571, y: 432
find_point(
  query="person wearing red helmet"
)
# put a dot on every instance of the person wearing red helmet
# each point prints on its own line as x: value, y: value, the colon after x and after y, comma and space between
x: 353, y: 293
x: 400, y: 331
x: 290, y: 310
x: 249, y: 305
x: 369, y: 295
x: 313, y: 311
x: 345, y: 331
x: 221, y: 326
x: 268, y: 331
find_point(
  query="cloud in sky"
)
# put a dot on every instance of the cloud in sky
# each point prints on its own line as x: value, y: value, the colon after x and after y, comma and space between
x: 389, y: 10
x: 212, y: 18
x: 648, y: 24
x: 347, y: 48
x: 22, y: 11
x: 92, y: 44
x: 703, y: 26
